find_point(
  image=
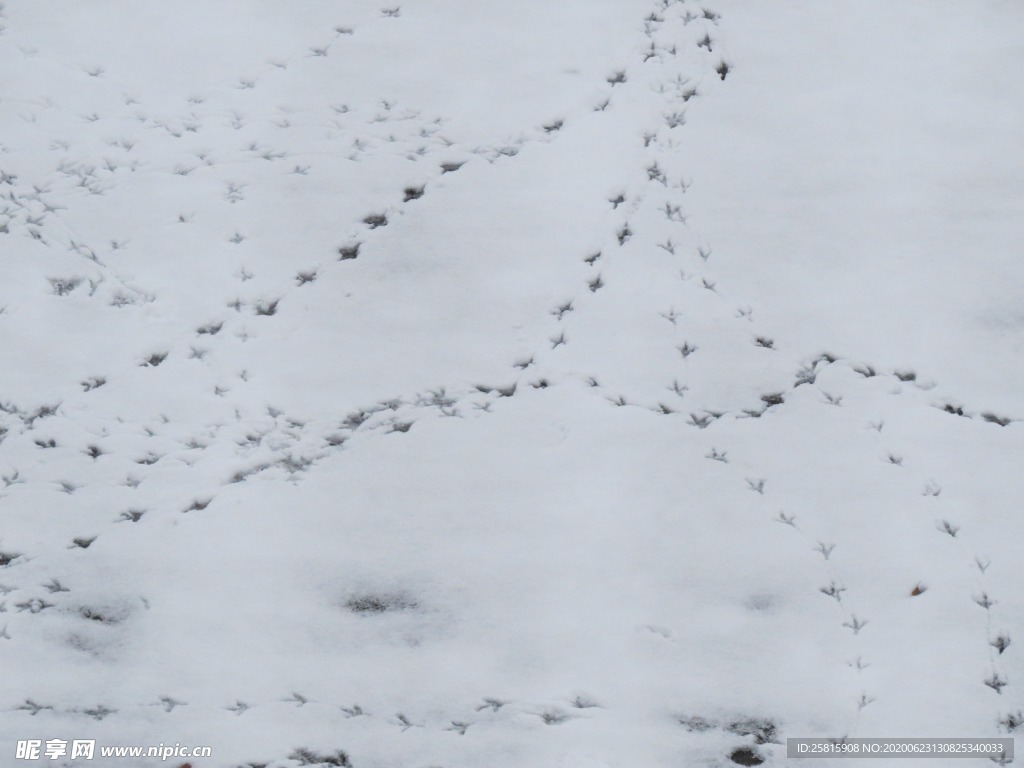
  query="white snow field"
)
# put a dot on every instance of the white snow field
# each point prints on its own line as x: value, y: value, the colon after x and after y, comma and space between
x: 451, y: 384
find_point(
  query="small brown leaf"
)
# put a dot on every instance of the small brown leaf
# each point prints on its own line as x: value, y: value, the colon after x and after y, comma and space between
x: 919, y: 589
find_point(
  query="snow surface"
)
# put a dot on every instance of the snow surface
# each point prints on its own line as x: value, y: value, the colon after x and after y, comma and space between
x: 442, y: 384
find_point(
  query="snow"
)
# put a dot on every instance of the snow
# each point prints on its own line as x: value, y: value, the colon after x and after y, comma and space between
x: 889, y: 190
x: 583, y: 385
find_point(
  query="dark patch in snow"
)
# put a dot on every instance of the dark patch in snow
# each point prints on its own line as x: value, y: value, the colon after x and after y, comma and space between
x: 745, y: 755
x: 380, y: 603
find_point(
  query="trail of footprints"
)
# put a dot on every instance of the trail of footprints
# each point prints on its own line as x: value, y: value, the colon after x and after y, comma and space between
x: 290, y: 446
x: 856, y: 621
